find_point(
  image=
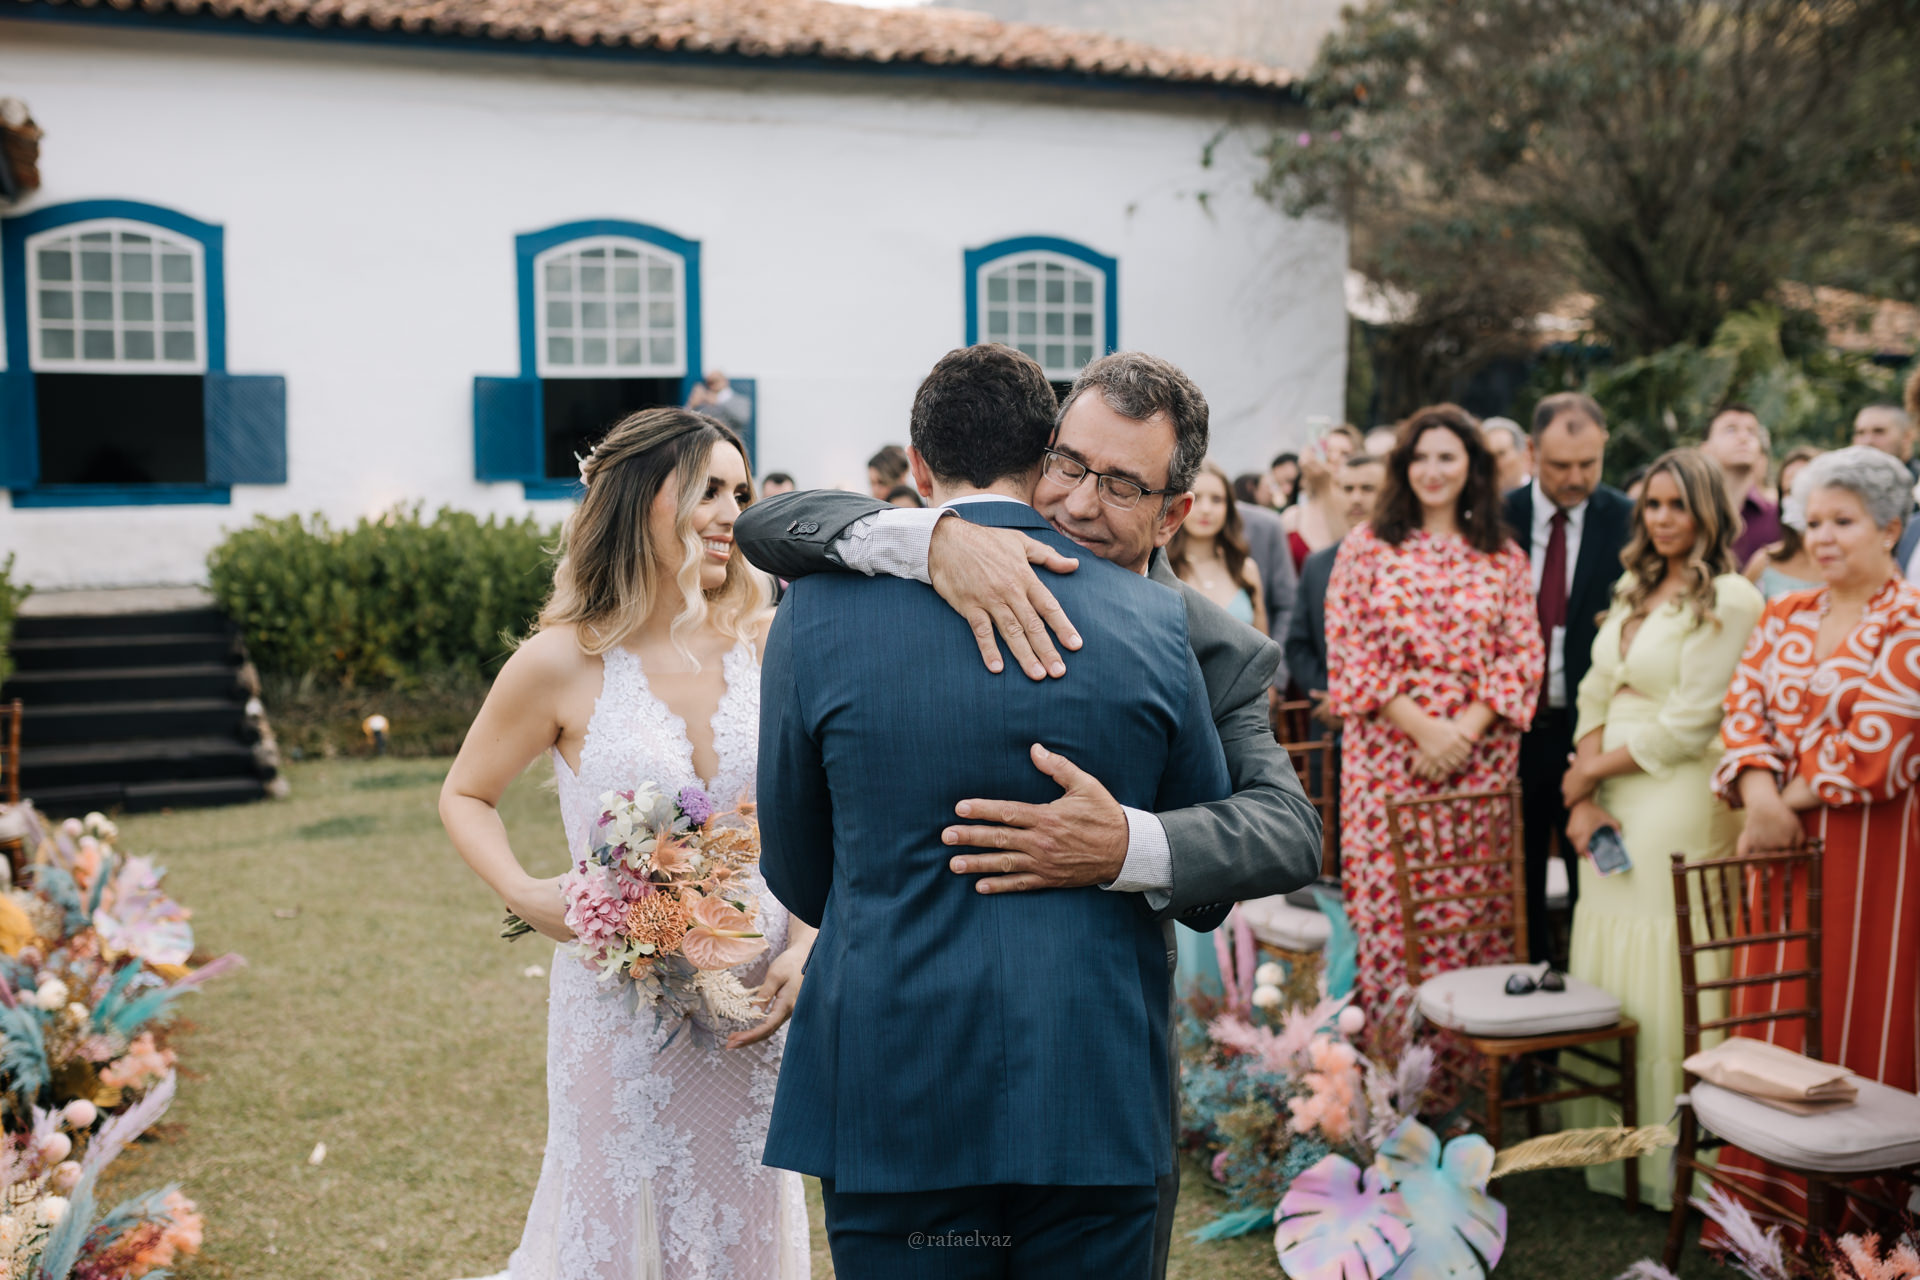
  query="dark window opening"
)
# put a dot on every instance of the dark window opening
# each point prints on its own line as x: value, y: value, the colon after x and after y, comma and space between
x: 1060, y: 390
x: 579, y: 411
x: 114, y: 429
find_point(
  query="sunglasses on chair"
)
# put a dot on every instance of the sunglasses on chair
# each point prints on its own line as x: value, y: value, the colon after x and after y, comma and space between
x: 1519, y: 984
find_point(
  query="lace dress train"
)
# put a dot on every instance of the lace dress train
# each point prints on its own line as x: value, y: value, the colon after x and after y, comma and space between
x: 652, y: 1168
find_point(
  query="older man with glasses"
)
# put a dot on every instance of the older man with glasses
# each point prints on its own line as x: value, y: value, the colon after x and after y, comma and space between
x: 1131, y: 436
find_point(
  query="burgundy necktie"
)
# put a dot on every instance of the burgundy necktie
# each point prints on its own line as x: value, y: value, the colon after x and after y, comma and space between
x: 1553, y: 583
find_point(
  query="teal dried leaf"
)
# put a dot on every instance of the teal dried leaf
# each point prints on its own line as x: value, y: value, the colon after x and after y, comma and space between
x: 1459, y: 1231
x: 1341, y: 1222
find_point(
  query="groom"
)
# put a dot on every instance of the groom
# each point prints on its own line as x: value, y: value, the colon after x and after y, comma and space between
x: 979, y: 1081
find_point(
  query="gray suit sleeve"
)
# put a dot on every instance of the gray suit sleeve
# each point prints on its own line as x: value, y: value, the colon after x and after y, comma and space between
x: 790, y: 535
x: 1264, y: 838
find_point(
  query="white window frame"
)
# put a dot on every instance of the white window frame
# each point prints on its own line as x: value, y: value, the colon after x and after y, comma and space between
x: 1075, y: 267
x: 647, y: 250
x: 79, y: 363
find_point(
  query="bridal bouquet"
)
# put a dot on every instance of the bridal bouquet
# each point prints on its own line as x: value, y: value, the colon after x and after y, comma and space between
x: 658, y: 906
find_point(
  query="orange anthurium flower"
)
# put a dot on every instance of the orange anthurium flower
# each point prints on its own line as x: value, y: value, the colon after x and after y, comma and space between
x: 722, y: 936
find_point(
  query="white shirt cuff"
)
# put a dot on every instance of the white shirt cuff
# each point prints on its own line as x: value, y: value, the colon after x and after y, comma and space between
x: 892, y: 543
x: 1149, y: 865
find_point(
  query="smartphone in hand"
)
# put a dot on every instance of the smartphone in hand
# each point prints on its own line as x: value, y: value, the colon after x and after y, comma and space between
x: 1608, y: 851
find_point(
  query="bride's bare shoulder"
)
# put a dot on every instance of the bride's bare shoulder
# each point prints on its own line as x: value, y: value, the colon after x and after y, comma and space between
x: 549, y: 656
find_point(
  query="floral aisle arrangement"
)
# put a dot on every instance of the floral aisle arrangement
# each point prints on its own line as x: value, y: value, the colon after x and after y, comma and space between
x: 93, y: 958
x: 659, y: 905
x: 1306, y: 1133
x: 1759, y: 1253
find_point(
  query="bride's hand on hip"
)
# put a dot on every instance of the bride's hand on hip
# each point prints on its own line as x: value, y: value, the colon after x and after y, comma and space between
x: 539, y: 903
x: 776, y: 994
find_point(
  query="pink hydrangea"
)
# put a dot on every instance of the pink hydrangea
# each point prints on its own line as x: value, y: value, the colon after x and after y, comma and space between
x: 595, y: 911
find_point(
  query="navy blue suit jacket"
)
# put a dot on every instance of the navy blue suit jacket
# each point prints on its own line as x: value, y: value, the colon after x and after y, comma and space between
x: 944, y: 1037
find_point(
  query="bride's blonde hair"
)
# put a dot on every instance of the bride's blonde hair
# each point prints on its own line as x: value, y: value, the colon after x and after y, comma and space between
x: 610, y: 573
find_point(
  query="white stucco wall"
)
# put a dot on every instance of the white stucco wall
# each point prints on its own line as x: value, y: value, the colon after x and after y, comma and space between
x: 370, y: 197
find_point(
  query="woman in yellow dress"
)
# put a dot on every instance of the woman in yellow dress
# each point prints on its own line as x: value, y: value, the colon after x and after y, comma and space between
x: 1646, y: 746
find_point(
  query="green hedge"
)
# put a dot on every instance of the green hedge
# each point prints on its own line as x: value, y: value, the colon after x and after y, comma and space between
x: 387, y: 601
x: 11, y: 594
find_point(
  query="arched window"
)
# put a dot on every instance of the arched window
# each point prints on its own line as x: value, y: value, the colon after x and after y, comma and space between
x: 611, y: 306
x: 1052, y: 299
x: 116, y: 296
x: 115, y: 389
x: 609, y: 324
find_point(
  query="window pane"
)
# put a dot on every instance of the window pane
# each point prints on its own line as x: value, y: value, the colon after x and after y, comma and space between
x: 624, y: 253
x: 1082, y: 356
x: 177, y: 307
x: 136, y: 268
x: 178, y: 344
x: 1083, y: 292
x: 96, y: 304
x: 626, y: 315
x: 559, y: 276
x: 134, y: 237
x: 56, y: 304
x: 660, y: 315
x: 596, y: 254
x: 593, y: 315
x: 97, y: 237
x: 996, y: 324
x: 560, y: 315
x: 56, y: 264
x: 559, y: 350
x: 137, y: 306
x: 1024, y: 290
x: 660, y: 351
x: 56, y: 344
x: 1056, y: 291
x: 1056, y: 356
x: 1027, y: 348
x: 1083, y: 324
x: 593, y: 279
x: 627, y: 352
x: 593, y: 351
x: 1026, y: 324
x: 626, y: 279
x: 1056, y: 324
x: 176, y: 268
x: 996, y: 288
x: 660, y: 279
x: 96, y: 344
x: 137, y: 344
x: 96, y: 267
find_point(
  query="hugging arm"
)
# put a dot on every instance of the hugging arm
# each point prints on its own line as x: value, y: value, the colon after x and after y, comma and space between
x: 796, y: 848
x: 1262, y: 839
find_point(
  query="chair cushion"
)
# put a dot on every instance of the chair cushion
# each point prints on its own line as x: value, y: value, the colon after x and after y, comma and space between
x: 1476, y: 1002
x: 1279, y: 923
x: 1880, y: 1131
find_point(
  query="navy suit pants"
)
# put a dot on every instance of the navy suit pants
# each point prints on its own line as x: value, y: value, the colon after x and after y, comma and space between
x: 992, y: 1233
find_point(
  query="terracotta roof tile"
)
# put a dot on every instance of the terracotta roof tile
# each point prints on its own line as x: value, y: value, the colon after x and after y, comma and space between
x: 756, y: 29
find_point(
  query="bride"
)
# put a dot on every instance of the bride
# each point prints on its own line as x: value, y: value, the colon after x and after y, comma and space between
x: 644, y: 668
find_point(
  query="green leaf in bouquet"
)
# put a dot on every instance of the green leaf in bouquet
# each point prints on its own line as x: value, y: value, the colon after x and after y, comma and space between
x: 514, y: 927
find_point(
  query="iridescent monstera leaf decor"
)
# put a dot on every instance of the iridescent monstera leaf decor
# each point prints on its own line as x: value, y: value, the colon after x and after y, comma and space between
x: 1340, y: 1222
x: 1459, y: 1231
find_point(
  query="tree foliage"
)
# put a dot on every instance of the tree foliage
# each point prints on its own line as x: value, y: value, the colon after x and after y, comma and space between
x: 1674, y: 159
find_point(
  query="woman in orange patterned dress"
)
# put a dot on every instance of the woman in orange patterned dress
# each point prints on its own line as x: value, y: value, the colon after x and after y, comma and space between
x: 1822, y: 733
x: 1434, y: 659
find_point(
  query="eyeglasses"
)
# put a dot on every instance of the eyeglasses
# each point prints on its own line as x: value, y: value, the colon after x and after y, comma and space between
x: 1519, y: 984
x: 1117, y: 492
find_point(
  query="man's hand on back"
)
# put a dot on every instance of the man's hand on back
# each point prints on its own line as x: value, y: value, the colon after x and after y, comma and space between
x: 987, y: 575
x: 1079, y: 839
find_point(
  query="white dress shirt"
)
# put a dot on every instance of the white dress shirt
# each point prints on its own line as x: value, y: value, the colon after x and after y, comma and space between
x: 1543, y: 510
x: 895, y: 542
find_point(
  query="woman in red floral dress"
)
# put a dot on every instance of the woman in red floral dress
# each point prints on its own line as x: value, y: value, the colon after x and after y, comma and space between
x: 1823, y: 739
x: 1434, y: 659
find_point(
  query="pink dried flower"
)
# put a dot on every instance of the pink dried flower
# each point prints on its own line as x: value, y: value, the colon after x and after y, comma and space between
x: 141, y: 1065
x: 595, y: 912
x: 1333, y: 1091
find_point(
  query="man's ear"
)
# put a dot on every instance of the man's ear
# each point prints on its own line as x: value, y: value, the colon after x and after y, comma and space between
x: 1171, y: 520
x: 921, y: 472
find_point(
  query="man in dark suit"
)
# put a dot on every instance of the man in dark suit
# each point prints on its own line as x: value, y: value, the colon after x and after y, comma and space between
x: 1573, y: 527
x: 1267, y: 545
x: 1263, y: 839
x: 979, y: 1081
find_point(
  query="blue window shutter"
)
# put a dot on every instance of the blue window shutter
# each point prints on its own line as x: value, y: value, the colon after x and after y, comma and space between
x: 19, y: 433
x: 246, y: 429
x: 749, y: 389
x: 506, y: 429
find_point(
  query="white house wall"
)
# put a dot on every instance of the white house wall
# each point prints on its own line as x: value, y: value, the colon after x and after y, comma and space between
x: 370, y: 197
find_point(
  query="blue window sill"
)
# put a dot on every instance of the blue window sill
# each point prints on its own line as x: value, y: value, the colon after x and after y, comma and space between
x: 554, y: 490
x: 123, y: 495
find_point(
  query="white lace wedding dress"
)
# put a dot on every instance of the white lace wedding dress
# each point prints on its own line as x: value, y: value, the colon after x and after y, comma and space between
x: 652, y: 1168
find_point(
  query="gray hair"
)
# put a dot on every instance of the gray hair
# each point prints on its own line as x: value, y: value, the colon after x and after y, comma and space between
x: 1136, y: 385
x: 1884, y: 487
x: 1507, y: 427
x: 1580, y: 408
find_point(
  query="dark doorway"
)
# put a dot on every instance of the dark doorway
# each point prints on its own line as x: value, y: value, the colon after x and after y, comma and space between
x: 114, y: 429
x: 579, y: 411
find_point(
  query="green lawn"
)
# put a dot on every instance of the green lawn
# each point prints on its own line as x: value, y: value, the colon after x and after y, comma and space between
x: 380, y: 1015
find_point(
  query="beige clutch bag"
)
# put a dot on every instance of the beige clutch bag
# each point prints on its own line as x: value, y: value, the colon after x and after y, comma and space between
x: 1778, y: 1077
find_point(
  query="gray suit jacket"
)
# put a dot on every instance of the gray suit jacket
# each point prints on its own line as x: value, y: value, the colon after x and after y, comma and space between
x: 1263, y: 839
